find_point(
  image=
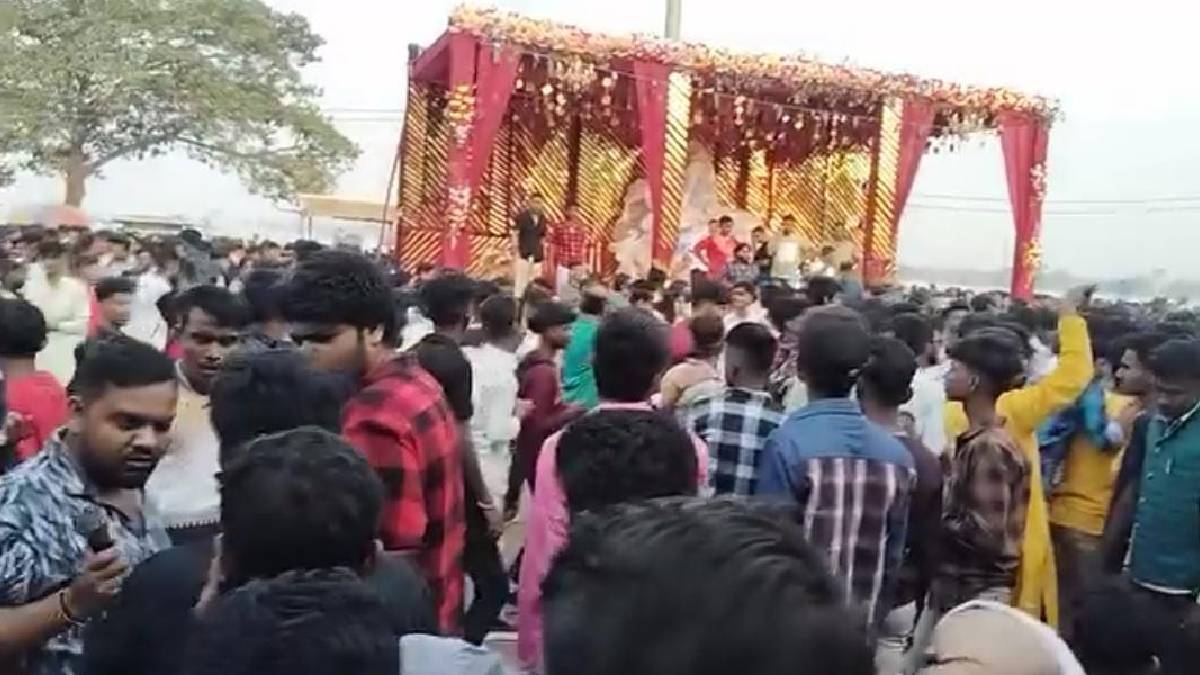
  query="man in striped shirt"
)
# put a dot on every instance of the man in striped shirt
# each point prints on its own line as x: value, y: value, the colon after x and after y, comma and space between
x: 850, y: 478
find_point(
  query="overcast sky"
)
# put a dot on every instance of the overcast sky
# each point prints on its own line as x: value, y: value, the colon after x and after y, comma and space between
x: 1124, y: 185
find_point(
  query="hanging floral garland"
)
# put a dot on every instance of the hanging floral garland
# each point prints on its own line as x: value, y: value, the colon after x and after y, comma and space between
x: 797, y: 72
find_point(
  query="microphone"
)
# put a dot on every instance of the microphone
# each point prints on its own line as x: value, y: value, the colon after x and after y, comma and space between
x: 93, y: 526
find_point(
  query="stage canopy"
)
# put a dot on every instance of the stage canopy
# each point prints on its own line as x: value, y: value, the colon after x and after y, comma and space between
x: 650, y: 137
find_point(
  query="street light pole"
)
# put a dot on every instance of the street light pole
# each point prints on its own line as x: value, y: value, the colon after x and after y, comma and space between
x: 674, y: 14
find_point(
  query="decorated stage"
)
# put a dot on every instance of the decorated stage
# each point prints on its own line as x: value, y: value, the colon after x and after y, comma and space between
x: 651, y: 138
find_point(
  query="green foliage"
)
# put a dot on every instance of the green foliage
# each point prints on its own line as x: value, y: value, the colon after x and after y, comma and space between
x: 86, y: 82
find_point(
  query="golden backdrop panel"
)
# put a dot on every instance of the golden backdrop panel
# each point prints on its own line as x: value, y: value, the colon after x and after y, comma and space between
x: 416, y: 135
x: 758, y: 185
x: 826, y: 194
x: 679, y: 118
x: 729, y: 168
x: 884, y: 243
x: 541, y: 159
x: 606, y: 168
x: 424, y: 178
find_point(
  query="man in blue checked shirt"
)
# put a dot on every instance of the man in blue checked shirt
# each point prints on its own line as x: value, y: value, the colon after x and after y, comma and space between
x: 736, y: 422
x: 850, y: 478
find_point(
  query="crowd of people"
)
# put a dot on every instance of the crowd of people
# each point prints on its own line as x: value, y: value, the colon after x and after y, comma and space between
x: 228, y: 458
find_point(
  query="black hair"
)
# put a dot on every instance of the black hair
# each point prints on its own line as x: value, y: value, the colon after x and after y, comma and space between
x: 446, y: 300
x: 303, y: 248
x: 756, y: 343
x: 1144, y: 344
x: 889, y: 372
x: 827, y: 249
x: 708, y: 334
x: 833, y: 346
x: 994, y: 353
x: 267, y: 391
x: 639, y: 294
x: 592, y: 303
x: 547, y: 315
x: 22, y: 329
x: 782, y: 309
x: 614, y: 456
x: 904, y: 308
x: 304, y: 622
x: 1106, y: 641
x: 50, y: 249
x: 498, y: 315
x: 666, y: 306
x: 340, y: 287
x: 110, y: 286
x: 696, y: 587
x: 976, y: 321
x: 822, y: 290
x: 630, y: 353
x: 1176, y: 359
x: 226, y: 308
x: 982, y: 303
x: 657, y: 277
x: 913, y: 330
x: 120, y: 362
x: 707, y: 291
x: 743, y: 246
x: 300, y: 499
x: 747, y: 286
x: 726, y: 219
x: 263, y: 291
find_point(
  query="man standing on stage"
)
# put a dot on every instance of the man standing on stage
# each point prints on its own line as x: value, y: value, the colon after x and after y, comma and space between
x: 530, y: 231
x: 570, y: 240
x: 716, y: 250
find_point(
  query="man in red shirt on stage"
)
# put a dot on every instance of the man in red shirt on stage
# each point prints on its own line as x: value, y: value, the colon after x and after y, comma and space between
x: 570, y: 241
x: 716, y: 250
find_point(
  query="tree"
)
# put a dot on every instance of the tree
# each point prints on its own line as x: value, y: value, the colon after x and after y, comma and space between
x: 87, y: 82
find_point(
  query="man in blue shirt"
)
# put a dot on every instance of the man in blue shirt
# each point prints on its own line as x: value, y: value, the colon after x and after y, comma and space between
x: 850, y: 478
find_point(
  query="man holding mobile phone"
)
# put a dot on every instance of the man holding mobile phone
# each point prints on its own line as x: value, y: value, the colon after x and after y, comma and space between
x: 91, y: 471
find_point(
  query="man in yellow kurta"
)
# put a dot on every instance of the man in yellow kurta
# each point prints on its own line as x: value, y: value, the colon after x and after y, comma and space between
x: 1023, y: 411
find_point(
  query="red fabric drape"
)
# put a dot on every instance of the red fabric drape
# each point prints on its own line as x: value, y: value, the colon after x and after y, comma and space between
x: 916, y: 123
x: 1024, y: 140
x: 651, y: 79
x: 456, y: 246
x: 495, y: 74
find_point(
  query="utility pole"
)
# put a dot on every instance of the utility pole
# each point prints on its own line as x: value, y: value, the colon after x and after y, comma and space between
x: 674, y: 14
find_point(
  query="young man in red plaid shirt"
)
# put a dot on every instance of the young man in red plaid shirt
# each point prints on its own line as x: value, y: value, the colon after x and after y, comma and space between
x: 570, y: 243
x: 341, y: 313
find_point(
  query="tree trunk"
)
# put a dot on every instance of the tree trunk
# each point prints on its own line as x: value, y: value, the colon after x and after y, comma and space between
x: 76, y: 179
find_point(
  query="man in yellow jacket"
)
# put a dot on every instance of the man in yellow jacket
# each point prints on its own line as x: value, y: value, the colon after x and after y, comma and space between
x: 1023, y: 411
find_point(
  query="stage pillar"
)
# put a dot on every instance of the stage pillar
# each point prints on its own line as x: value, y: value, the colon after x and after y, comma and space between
x: 1024, y: 140
x: 460, y: 115
x: 675, y: 159
x: 651, y: 86
x: 878, y: 246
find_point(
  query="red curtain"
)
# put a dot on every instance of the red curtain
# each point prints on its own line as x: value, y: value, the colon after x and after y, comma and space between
x: 495, y: 74
x: 456, y: 243
x: 651, y: 80
x: 1024, y: 140
x: 916, y: 123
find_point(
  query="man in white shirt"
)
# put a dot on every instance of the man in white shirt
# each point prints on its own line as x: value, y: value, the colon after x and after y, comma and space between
x: 928, y: 392
x: 743, y: 306
x: 494, y: 424
x: 63, y: 300
x: 184, y: 485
